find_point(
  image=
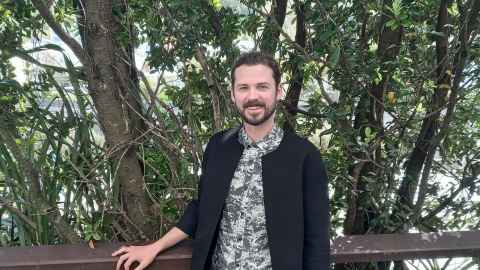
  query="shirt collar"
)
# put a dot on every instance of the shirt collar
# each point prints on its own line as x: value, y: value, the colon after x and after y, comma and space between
x: 267, y: 144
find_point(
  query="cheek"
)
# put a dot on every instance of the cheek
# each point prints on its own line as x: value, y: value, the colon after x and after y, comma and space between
x: 238, y: 98
x: 235, y: 99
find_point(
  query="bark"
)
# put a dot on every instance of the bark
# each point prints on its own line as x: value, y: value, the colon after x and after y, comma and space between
x: 296, y: 84
x: 61, y: 33
x: 433, y: 130
x: 275, y: 21
x: 369, y: 113
x: 214, y: 19
x: 429, y: 128
x: 388, y: 49
x: 113, y: 86
x: 118, y: 110
x: 226, y: 46
x: 213, y: 86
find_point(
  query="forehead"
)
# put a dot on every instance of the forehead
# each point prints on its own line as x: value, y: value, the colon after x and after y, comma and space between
x: 246, y: 74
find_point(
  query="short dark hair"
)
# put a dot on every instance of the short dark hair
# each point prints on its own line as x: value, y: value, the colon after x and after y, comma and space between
x: 257, y: 58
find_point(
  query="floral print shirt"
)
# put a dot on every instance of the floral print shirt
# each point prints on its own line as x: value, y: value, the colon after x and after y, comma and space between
x: 242, y: 241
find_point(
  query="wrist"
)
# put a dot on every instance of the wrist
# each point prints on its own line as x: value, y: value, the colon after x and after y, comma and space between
x: 158, y: 246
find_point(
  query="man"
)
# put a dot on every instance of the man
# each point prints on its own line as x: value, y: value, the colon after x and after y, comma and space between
x: 262, y: 200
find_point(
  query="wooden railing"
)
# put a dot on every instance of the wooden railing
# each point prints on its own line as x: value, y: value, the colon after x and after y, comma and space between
x: 359, y: 248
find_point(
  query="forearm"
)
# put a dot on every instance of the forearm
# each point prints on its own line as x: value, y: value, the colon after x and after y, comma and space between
x: 171, y: 238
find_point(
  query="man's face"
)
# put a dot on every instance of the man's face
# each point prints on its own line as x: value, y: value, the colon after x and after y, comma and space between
x: 255, y: 94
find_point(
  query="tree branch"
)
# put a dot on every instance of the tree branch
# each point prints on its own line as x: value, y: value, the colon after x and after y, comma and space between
x: 212, y: 85
x: 297, y: 73
x: 271, y: 32
x: 61, y: 33
x: 154, y: 99
x: 298, y: 110
x: 15, y: 211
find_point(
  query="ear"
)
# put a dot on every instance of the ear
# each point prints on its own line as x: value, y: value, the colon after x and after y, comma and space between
x: 232, y: 97
x: 280, y: 92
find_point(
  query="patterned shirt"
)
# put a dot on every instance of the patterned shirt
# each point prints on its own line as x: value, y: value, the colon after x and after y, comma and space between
x: 242, y: 241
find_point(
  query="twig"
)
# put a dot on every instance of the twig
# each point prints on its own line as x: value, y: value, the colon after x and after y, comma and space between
x: 8, y: 205
x: 61, y: 33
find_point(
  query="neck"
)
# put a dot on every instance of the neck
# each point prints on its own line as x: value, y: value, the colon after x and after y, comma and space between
x: 256, y: 133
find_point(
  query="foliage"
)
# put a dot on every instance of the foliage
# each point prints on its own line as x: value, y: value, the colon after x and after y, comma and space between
x: 388, y: 91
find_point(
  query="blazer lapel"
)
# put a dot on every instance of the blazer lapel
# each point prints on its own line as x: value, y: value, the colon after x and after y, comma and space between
x: 222, y: 163
x: 282, y: 189
x: 226, y: 159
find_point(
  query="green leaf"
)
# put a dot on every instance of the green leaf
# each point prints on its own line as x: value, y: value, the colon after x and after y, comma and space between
x: 49, y: 46
x: 217, y: 4
x: 334, y: 56
x: 368, y: 132
x: 397, y: 8
x: 438, y: 34
x: 391, y: 24
x: 24, y: 54
x: 96, y: 236
x: 10, y: 83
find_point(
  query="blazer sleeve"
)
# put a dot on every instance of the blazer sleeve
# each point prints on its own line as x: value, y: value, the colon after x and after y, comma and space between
x: 188, y: 222
x: 316, y: 249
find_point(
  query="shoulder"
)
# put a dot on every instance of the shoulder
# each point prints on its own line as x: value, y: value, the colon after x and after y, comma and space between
x: 226, y: 135
x: 300, y: 144
x: 223, y: 137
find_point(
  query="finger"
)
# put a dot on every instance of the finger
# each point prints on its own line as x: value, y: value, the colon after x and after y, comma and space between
x: 141, y: 266
x: 120, y: 261
x: 127, y: 264
x: 120, y: 251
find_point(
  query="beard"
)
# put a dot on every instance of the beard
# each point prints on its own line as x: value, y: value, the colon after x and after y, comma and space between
x: 257, y: 118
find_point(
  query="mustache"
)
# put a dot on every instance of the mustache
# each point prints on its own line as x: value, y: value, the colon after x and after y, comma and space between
x: 254, y: 103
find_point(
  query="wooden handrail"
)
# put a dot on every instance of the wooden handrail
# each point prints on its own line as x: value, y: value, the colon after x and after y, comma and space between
x: 357, y: 248
x: 391, y: 247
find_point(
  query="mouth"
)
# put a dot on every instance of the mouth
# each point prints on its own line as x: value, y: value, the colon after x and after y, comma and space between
x: 254, y: 108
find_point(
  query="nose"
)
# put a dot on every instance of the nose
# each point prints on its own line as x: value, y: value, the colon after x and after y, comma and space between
x: 252, y: 94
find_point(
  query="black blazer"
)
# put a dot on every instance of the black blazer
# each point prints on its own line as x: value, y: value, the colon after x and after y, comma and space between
x: 295, y: 196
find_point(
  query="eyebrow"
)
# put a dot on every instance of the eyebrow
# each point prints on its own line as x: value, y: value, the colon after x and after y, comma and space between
x: 258, y: 84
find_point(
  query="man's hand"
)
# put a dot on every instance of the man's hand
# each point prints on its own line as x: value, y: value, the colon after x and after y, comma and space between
x: 144, y: 255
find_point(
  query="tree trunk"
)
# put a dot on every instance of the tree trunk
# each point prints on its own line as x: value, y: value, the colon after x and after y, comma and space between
x: 273, y: 25
x: 113, y: 85
x: 369, y: 114
x: 417, y: 158
x: 115, y: 97
x: 433, y: 130
x: 297, y: 63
